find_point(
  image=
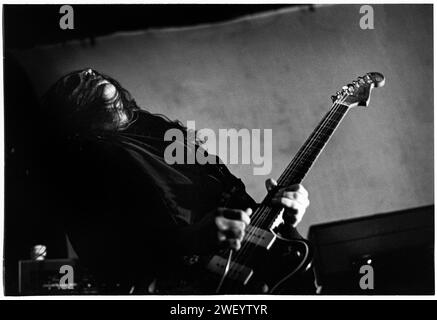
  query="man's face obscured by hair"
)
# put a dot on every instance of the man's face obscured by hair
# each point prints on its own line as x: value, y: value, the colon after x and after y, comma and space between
x: 90, y: 99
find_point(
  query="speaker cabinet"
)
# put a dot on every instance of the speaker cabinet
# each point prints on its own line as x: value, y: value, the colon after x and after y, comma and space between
x: 390, y: 253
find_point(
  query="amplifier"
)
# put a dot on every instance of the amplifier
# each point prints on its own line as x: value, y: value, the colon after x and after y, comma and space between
x: 397, y: 248
x: 53, y: 277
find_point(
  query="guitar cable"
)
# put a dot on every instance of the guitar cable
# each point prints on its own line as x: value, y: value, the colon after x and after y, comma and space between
x: 301, y: 264
x: 225, y: 273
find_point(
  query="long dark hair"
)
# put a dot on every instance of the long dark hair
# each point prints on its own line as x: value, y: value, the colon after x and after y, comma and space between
x: 75, y: 105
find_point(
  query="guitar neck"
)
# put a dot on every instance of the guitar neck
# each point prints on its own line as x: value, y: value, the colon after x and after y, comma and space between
x: 302, y: 162
x: 313, y: 146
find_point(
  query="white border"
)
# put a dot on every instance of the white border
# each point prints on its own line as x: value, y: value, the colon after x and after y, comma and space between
x: 193, y: 297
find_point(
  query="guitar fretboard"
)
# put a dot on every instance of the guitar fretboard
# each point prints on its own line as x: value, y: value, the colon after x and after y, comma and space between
x: 302, y: 162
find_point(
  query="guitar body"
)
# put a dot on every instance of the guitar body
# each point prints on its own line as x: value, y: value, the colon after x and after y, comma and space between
x: 281, y: 269
x: 276, y: 270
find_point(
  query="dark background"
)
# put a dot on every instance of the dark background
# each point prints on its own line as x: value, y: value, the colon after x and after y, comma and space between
x: 26, y: 26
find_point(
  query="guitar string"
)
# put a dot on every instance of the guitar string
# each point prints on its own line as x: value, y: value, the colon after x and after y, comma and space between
x: 320, y: 130
x: 263, y: 214
x: 294, y: 164
x: 323, y: 130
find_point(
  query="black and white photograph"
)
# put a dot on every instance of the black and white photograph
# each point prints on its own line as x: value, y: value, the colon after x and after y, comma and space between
x: 218, y: 149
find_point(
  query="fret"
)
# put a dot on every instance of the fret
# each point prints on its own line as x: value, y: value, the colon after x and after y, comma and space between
x: 314, y: 147
x: 308, y: 153
x: 265, y: 216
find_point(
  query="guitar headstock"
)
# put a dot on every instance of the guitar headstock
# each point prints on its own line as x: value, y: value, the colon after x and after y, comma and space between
x: 358, y: 92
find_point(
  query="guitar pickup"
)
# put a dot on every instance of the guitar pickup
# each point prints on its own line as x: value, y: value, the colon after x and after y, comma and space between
x: 259, y: 237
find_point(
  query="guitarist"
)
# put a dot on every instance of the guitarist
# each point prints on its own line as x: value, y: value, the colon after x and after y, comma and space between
x: 129, y: 215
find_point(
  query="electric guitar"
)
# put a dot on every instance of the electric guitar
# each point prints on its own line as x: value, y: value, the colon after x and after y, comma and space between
x: 267, y: 263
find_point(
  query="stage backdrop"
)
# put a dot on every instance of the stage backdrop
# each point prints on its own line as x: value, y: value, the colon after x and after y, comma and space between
x: 277, y: 71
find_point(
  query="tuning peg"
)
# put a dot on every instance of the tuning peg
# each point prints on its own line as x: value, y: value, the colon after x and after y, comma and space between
x: 351, y: 87
x: 355, y: 83
x: 345, y: 89
x: 377, y: 79
x: 361, y: 80
x: 334, y: 98
x: 368, y: 78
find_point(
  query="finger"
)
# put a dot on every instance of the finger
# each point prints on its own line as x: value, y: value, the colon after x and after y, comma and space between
x: 297, y: 217
x: 228, y: 242
x: 221, y: 236
x: 224, y: 224
x: 270, y: 184
x: 246, y: 216
x: 295, y: 210
x: 293, y: 217
x: 292, y: 220
x: 234, y: 233
x: 293, y: 195
x: 285, y: 202
x: 289, y: 194
x: 294, y: 188
x: 297, y: 188
x: 232, y: 244
x: 238, y: 215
